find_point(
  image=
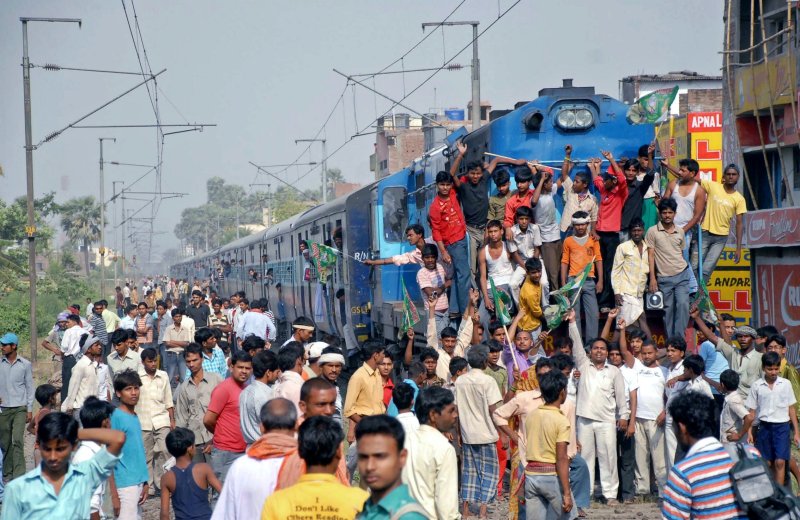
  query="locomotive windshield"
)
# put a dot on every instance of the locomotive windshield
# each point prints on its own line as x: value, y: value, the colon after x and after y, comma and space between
x: 395, y: 218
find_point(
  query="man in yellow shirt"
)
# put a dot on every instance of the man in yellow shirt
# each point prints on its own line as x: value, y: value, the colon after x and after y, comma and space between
x: 530, y: 298
x: 723, y: 203
x: 317, y: 494
x: 547, y: 431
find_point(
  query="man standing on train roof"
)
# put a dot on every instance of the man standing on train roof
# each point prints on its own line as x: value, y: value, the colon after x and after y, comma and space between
x: 415, y: 234
x: 450, y: 233
x: 473, y: 193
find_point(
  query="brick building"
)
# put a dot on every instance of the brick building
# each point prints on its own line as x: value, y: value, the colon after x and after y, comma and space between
x: 696, y: 92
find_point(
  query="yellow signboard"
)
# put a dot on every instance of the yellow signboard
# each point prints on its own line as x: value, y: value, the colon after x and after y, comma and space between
x: 729, y: 287
x: 768, y: 83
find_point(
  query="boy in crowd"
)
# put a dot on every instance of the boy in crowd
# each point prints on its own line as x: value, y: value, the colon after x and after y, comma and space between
x: 156, y: 414
x: 634, y: 203
x: 186, y: 484
x: 580, y: 249
x: 61, y: 488
x: 546, y: 216
x: 430, y: 359
x: 130, y: 475
x: 495, y: 263
x: 432, y: 280
x: 46, y: 396
x: 94, y: 414
x: 733, y: 409
x: 257, y: 393
x: 531, y: 298
x: 525, y: 243
x: 576, y: 194
x: 771, y: 401
x: 194, y: 395
x: 452, y: 342
x: 497, y: 203
x: 403, y: 399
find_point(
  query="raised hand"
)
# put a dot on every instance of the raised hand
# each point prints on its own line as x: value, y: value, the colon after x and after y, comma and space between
x: 568, y: 150
x: 462, y: 147
x: 607, y: 155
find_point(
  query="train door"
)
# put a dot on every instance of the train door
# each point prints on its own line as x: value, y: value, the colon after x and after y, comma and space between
x: 357, y: 237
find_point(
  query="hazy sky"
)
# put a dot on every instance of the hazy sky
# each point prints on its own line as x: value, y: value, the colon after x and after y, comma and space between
x: 262, y: 71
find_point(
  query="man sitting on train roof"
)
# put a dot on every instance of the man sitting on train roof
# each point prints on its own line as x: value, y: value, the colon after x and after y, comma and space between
x: 303, y: 331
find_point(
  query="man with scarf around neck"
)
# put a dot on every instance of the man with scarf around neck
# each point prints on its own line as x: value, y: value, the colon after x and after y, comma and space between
x: 254, y: 477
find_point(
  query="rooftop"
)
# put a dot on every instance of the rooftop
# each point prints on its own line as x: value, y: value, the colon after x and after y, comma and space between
x: 681, y: 75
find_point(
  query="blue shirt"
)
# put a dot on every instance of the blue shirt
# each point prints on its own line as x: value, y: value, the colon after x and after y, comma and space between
x: 389, y: 505
x: 16, y: 383
x: 32, y: 497
x: 392, y: 410
x: 132, y: 467
x: 216, y: 363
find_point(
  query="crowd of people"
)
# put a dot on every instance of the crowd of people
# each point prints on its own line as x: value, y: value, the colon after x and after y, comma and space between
x: 198, y: 404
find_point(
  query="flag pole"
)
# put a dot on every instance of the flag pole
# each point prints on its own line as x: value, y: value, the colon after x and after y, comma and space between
x: 531, y: 163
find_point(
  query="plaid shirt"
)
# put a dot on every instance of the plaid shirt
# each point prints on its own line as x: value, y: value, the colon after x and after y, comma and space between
x: 154, y: 401
x: 216, y: 363
x: 630, y: 269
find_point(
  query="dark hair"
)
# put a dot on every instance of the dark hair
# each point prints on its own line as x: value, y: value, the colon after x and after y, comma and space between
x: 631, y: 163
x: 179, y: 441
x: 197, y: 293
x: 543, y: 362
x: 494, y: 345
x: 128, y: 309
x: 494, y: 224
x: 729, y: 379
x: 303, y: 322
x: 192, y: 348
x: 288, y: 356
x: 501, y: 177
x: 240, y: 356
x: 257, y: 303
x: 524, y: 211
x: 443, y: 176
x: 319, y: 440
x: 670, y: 204
x: 613, y: 347
x: 551, y: 385
x: 216, y: 301
x: 382, y: 425
x: 278, y: 414
x: 448, y: 332
x: 415, y: 369
x: 263, y: 362
x: 416, y: 228
x: 644, y: 151
x: 315, y: 383
x: 694, y: 363
x: 636, y: 332
x: 533, y: 264
x: 562, y: 341
x: 562, y: 362
x: 430, y: 250
x: 636, y: 222
x: 148, y: 354
x: 202, y: 335
x: 777, y: 338
x: 57, y: 426
x: 433, y: 399
x: 522, y: 174
x: 766, y: 331
x: 141, y: 304
x: 125, y: 379
x: 119, y: 336
x: 583, y: 177
x: 177, y: 311
x: 770, y: 359
x: 457, y: 364
x: 403, y: 396
x: 253, y: 342
x: 726, y: 317
x: 428, y: 353
x: 676, y: 342
x: 695, y: 412
x: 690, y: 164
x: 94, y: 412
x: 370, y: 348
x: 44, y: 393
x: 161, y: 303
x: 478, y: 356
x: 494, y: 326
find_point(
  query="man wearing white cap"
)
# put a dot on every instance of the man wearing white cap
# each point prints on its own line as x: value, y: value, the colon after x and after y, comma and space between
x: 313, y: 352
x: 84, y: 381
x: 331, y: 363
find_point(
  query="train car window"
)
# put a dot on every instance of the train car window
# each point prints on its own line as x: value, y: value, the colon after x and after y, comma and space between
x: 419, y: 183
x: 395, y: 216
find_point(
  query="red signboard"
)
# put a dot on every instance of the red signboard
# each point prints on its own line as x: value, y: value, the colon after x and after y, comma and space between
x: 778, y: 293
x: 772, y: 228
x: 705, y: 122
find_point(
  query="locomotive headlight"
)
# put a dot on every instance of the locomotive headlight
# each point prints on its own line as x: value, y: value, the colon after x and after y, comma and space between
x: 566, y: 119
x: 583, y: 118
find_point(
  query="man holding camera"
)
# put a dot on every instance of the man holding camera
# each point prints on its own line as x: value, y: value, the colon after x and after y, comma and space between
x: 669, y: 271
x: 629, y: 275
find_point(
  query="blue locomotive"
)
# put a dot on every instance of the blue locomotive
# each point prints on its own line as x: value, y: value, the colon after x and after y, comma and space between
x: 361, y: 302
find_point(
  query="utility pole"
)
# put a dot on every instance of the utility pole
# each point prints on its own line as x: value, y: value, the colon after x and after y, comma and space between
x: 30, y: 229
x: 103, y: 220
x: 269, y: 205
x: 324, y: 165
x: 116, y: 233
x: 476, y: 70
x: 237, y: 219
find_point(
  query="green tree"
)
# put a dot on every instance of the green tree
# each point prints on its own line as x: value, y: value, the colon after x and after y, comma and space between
x: 80, y: 220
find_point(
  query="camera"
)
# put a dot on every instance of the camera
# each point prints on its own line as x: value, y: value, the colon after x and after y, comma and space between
x: 654, y: 301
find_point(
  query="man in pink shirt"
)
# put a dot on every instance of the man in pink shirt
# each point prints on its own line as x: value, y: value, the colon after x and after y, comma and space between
x: 222, y: 416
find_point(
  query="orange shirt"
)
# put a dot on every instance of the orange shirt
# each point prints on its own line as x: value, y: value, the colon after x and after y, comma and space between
x: 577, y: 256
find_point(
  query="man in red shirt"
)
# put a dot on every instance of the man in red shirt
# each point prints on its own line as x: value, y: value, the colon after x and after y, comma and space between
x: 222, y: 416
x: 613, y: 189
x: 449, y: 230
x: 520, y: 197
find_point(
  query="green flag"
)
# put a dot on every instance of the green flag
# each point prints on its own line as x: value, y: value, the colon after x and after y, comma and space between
x: 704, y: 304
x: 323, y: 258
x: 653, y: 107
x: 566, y: 297
x: 410, y: 314
x: 501, y: 302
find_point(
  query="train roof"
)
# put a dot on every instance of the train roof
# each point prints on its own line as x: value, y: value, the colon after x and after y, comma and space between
x: 245, y: 241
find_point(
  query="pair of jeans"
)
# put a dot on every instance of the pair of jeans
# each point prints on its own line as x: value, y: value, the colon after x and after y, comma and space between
x: 12, y: 440
x: 587, y: 305
x: 609, y: 241
x: 174, y: 365
x: 688, y: 257
x: 459, y: 291
x: 67, y: 364
x: 626, y: 466
x: 676, y: 302
x: 543, y: 499
x: 579, y: 481
x: 222, y: 460
x: 2, y: 485
x: 712, y: 249
x: 476, y: 243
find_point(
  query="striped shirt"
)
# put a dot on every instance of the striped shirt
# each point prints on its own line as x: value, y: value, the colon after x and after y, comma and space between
x: 700, y: 487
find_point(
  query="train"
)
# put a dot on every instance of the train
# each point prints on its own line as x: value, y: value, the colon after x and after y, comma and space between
x: 359, y: 302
